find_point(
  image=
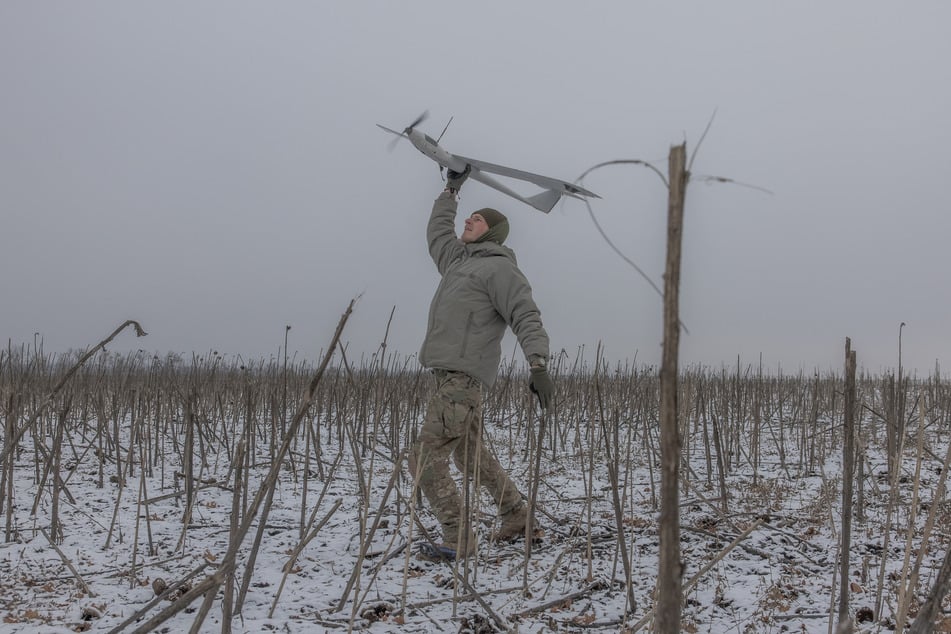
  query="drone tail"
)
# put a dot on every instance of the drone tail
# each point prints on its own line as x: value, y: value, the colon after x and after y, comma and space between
x: 544, y: 201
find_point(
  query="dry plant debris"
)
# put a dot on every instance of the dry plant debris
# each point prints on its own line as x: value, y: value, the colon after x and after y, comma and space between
x: 135, y: 470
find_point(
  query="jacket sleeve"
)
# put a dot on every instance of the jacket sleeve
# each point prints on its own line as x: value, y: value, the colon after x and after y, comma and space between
x: 444, y: 246
x: 512, y: 297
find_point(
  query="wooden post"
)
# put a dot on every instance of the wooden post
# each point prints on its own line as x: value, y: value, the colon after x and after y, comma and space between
x: 848, y: 475
x: 670, y: 568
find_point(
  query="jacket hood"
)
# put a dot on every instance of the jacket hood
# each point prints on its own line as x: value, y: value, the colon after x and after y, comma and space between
x: 490, y: 249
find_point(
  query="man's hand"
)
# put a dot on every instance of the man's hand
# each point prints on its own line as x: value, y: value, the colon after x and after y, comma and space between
x: 454, y: 180
x: 544, y: 388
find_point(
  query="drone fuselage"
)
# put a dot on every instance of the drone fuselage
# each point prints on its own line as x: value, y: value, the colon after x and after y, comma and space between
x: 428, y: 146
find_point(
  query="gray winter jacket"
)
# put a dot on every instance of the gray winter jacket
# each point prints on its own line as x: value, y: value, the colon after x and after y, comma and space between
x: 482, y: 290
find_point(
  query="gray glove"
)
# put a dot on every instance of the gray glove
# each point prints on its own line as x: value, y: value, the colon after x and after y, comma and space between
x: 454, y: 180
x: 544, y: 388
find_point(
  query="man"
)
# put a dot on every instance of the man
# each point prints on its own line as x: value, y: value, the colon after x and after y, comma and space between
x: 481, y: 292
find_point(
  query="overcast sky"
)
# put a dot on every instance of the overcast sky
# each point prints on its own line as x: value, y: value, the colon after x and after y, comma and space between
x: 213, y: 170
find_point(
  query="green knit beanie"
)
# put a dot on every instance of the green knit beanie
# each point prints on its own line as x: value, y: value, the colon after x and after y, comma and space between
x: 498, y: 225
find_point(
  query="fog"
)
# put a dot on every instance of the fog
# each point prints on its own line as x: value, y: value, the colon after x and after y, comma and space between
x: 213, y: 170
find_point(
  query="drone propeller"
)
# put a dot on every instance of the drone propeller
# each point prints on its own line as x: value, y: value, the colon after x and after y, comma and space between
x: 392, y: 145
x: 419, y: 120
x: 405, y: 133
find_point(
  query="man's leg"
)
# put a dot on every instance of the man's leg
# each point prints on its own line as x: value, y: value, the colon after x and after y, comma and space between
x: 491, y: 474
x: 443, y: 429
x: 472, y: 454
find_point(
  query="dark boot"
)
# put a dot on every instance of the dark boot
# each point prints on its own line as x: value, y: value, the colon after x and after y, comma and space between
x: 512, y: 525
x: 449, y: 550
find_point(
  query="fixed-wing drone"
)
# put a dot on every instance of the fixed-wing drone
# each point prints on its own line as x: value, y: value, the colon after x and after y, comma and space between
x: 544, y: 201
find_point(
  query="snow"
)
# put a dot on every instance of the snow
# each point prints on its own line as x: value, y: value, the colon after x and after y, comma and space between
x: 780, y: 578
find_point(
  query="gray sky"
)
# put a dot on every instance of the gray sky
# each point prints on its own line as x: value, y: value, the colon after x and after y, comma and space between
x: 213, y: 170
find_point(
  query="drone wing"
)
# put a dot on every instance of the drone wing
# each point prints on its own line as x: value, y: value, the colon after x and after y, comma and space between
x: 545, y: 182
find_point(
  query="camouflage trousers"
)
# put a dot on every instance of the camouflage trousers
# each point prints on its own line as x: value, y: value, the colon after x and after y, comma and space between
x: 452, y: 427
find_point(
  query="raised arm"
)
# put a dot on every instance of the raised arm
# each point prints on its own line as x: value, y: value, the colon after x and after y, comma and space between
x: 444, y: 246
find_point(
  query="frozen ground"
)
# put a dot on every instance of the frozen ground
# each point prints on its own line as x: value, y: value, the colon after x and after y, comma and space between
x: 778, y: 579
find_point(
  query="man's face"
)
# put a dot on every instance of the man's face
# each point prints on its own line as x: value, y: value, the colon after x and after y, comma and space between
x: 476, y: 226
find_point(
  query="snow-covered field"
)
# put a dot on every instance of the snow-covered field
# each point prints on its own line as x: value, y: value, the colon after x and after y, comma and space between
x: 765, y: 561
